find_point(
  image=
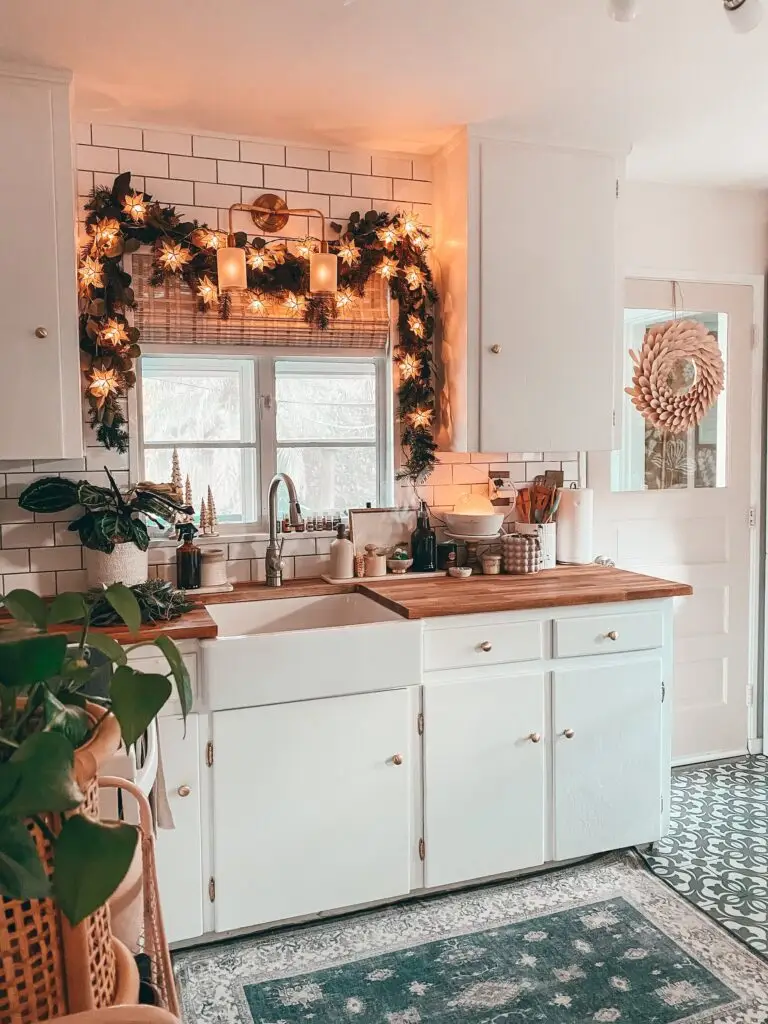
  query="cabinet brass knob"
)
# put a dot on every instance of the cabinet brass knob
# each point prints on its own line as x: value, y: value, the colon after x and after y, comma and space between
x: 397, y: 759
x: 41, y: 332
x: 495, y: 349
x: 613, y: 635
x: 568, y: 733
x: 486, y: 646
x: 535, y: 737
x: 184, y: 790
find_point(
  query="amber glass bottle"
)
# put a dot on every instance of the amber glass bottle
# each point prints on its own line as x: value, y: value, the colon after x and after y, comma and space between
x: 188, y: 560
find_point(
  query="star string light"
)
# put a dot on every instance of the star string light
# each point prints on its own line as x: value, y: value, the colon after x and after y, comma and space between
x: 420, y: 418
x: 388, y: 268
x: 410, y: 366
x: 102, y: 383
x: 112, y: 334
x: 277, y: 253
x: 207, y: 291
x: 416, y: 325
x: 258, y: 304
x: 260, y: 259
x: 414, y: 276
x: 306, y: 247
x: 345, y: 299
x: 105, y: 232
x: 207, y: 239
x: 91, y: 274
x: 349, y: 252
x: 173, y: 256
x: 409, y: 224
x: 294, y: 304
x: 135, y: 206
x: 388, y: 236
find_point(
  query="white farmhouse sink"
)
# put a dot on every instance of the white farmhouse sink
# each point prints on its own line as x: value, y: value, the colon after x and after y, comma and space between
x: 291, y: 613
x: 298, y: 648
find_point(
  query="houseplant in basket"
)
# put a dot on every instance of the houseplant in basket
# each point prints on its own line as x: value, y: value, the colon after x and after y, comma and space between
x: 58, y: 863
x: 111, y: 527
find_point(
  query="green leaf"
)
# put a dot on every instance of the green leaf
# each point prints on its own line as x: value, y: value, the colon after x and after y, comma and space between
x: 94, y: 498
x: 140, y: 534
x: 68, y: 607
x: 32, y: 660
x: 22, y: 876
x: 109, y: 647
x: 178, y: 671
x: 123, y: 600
x: 137, y: 697
x: 90, y: 861
x: 51, y: 494
x: 25, y: 606
x: 70, y: 721
x: 42, y: 767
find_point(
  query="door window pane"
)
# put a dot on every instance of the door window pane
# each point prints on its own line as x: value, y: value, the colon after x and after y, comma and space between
x: 329, y: 479
x: 653, y: 460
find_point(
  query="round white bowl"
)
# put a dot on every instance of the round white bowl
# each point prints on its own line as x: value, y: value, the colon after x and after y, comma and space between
x: 478, y: 525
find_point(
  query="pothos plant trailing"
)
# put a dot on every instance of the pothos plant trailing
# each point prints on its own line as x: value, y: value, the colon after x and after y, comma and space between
x: 44, y: 678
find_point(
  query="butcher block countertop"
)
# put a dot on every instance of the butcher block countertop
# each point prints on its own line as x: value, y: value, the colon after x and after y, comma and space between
x: 554, y: 588
x: 416, y: 598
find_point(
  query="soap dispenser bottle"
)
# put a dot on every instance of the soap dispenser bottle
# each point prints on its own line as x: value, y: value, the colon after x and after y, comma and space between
x: 188, y: 558
x: 424, y: 542
x: 342, y: 556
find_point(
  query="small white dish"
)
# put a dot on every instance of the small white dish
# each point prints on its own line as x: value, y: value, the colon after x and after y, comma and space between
x: 399, y: 566
x: 460, y: 572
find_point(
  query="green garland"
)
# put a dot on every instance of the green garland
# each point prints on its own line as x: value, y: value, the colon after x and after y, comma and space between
x: 120, y: 220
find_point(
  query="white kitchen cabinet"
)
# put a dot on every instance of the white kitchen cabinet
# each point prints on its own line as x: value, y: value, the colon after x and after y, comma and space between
x: 607, y: 735
x: 485, y: 795
x: 312, y: 806
x: 525, y: 241
x: 179, y: 850
x: 40, y: 402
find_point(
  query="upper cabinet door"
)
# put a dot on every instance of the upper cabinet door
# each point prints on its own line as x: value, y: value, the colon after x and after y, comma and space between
x: 40, y: 405
x: 547, y: 298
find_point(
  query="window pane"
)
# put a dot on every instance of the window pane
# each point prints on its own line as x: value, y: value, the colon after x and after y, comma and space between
x: 196, y: 400
x: 230, y: 472
x: 329, y: 478
x: 323, y: 402
x: 650, y: 460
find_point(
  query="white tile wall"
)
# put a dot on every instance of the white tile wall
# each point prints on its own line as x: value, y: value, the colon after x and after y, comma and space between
x: 201, y: 175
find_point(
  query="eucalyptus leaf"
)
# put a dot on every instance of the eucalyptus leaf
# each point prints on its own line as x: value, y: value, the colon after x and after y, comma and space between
x: 25, y: 606
x: 91, y: 859
x: 125, y: 604
x: 137, y: 697
x: 31, y: 660
x: 22, y: 875
x: 179, y: 672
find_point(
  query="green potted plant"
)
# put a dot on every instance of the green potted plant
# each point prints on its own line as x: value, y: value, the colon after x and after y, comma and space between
x: 58, y: 863
x: 111, y: 527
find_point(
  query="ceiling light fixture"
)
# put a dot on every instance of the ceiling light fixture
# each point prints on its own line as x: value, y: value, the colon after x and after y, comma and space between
x: 623, y: 10
x: 271, y: 213
x: 743, y: 15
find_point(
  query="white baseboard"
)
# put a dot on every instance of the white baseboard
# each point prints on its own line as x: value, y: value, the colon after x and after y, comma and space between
x: 715, y: 755
x: 755, y: 746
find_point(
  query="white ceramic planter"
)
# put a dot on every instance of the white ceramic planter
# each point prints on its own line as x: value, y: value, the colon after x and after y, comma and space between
x: 127, y: 564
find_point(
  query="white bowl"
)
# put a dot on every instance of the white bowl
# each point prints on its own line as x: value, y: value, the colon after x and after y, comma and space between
x: 399, y: 566
x: 460, y: 572
x: 478, y: 525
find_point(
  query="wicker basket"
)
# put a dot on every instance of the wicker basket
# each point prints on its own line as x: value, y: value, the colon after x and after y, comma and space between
x: 49, y: 967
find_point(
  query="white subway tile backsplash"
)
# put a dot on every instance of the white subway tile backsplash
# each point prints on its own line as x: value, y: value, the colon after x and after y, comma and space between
x: 84, y: 183
x: 305, y: 566
x: 298, y: 156
x: 239, y: 571
x: 370, y: 187
x: 298, y: 546
x: 42, y: 583
x: 192, y: 168
x: 262, y: 152
x: 392, y: 166
x: 74, y: 580
x: 208, y: 194
x: 537, y: 468
x: 117, y: 136
x: 168, y: 142
x: 98, y: 458
x: 236, y: 173
x: 412, y: 191
x: 138, y: 162
x: 330, y: 182
x: 63, y: 536
x: 171, y: 190
x: 53, y: 559
x: 96, y: 158
x: 249, y: 549
x: 422, y: 168
x: 342, y: 207
x: 287, y: 178
x: 352, y: 161
x: 26, y: 535
x: 82, y: 133
x: 221, y: 149
x: 470, y: 474
x: 59, y: 466
x: 310, y: 201
x: 14, y: 560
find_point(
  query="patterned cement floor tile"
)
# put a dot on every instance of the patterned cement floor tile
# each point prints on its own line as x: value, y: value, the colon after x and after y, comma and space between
x: 716, y: 854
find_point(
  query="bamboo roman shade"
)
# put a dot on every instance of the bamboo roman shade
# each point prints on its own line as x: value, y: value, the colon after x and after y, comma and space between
x: 169, y: 314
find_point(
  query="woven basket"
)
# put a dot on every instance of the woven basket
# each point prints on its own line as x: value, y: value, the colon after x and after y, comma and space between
x: 49, y: 967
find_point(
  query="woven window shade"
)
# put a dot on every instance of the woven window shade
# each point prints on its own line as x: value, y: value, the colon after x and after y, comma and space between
x: 170, y: 315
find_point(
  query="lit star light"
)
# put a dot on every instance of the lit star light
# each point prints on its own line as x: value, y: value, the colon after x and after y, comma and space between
x: 416, y: 325
x: 421, y: 418
x: 294, y: 304
x: 349, y: 252
x: 306, y: 247
x: 409, y: 224
x: 112, y: 333
x: 258, y: 304
x: 388, y: 236
x: 388, y: 268
x: 135, y: 206
x: 90, y: 273
x: 345, y: 299
x: 102, y: 383
x: 173, y: 256
x: 207, y: 291
x: 260, y: 259
x: 410, y: 367
x: 414, y: 276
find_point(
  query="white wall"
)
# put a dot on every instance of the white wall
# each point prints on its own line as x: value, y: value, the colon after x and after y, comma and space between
x: 707, y: 231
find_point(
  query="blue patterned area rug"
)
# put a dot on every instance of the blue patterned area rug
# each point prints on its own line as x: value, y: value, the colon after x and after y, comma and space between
x: 716, y: 853
x: 604, y: 941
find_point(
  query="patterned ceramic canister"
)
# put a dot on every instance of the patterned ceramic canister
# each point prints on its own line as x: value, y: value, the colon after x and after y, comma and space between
x: 521, y: 553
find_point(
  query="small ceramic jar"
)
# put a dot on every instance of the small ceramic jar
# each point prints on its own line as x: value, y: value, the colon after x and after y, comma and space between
x: 375, y: 561
x: 491, y: 565
x: 213, y: 572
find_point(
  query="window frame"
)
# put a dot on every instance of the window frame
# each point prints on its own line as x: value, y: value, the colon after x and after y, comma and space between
x: 264, y: 412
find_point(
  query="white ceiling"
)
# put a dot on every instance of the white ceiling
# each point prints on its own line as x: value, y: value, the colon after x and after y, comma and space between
x: 677, y: 86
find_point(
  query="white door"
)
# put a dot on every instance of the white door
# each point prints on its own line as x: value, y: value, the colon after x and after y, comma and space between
x: 547, y: 260
x: 179, y: 850
x: 312, y: 806
x: 679, y: 508
x: 485, y: 750
x: 607, y: 736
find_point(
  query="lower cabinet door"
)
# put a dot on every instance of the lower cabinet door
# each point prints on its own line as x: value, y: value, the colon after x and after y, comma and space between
x: 312, y: 806
x: 179, y: 850
x: 484, y: 776
x: 608, y: 756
